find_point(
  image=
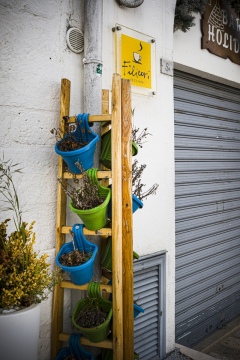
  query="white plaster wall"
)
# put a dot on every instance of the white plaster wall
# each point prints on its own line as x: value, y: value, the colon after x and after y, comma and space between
x: 189, y: 57
x: 33, y: 59
x: 154, y: 225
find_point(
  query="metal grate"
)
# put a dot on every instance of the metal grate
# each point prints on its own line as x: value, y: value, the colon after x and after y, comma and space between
x: 75, y: 40
x: 149, y: 293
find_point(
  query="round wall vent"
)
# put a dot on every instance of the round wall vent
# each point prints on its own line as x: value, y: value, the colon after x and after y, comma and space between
x: 75, y: 40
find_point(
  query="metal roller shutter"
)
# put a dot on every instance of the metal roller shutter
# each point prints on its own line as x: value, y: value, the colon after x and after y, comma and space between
x: 207, y: 161
x: 150, y: 294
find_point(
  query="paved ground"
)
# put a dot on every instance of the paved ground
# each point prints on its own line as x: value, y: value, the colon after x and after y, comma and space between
x: 223, y: 344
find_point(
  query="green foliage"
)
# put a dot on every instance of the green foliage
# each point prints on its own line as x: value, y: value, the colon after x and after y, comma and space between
x: 25, y: 278
x: 235, y: 4
x: 184, y: 18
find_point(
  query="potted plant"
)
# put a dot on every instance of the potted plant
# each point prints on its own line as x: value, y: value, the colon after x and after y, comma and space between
x: 77, y: 258
x: 76, y: 144
x: 89, y: 199
x: 25, y: 277
x: 92, y: 315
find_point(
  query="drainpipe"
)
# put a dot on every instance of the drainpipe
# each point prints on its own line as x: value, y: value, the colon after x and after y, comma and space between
x: 93, y: 27
x: 92, y: 102
x: 130, y: 3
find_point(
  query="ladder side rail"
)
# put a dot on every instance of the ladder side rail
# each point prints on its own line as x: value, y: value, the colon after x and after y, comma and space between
x: 127, y: 227
x: 116, y: 154
x: 58, y: 294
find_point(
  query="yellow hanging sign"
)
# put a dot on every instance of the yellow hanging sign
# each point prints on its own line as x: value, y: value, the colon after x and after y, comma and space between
x: 136, y: 61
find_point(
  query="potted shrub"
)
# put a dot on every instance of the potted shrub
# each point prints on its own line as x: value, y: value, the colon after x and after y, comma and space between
x: 92, y: 315
x: 25, y: 277
x: 89, y: 199
x: 77, y: 258
x: 76, y: 144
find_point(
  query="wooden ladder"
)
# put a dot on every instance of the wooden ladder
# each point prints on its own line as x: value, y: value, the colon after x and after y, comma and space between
x: 120, y: 121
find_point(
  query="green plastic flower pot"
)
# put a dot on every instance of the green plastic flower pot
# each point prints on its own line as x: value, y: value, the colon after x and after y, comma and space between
x: 98, y: 333
x: 95, y: 218
x: 106, y: 260
x: 105, y: 156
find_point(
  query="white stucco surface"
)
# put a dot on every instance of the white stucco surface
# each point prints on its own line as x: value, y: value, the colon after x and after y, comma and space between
x: 34, y: 58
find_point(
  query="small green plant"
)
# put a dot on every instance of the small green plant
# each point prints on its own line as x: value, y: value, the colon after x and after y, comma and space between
x: 84, y: 195
x: 25, y: 277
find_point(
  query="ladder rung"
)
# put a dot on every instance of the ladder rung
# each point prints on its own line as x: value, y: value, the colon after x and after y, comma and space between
x: 103, y: 231
x: 107, y: 344
x: 92, y: 118
x: 100, y: 175
x: 67, y: 284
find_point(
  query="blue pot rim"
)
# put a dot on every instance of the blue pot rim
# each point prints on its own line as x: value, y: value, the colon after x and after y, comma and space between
x: 138, y: 308
x: 66, y: 248
x: 137, y: 200
x: 77, y: 151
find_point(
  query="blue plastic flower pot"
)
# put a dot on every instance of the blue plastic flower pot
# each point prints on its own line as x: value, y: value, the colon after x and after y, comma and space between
x: 74, y: 349
x: 136, y: 204
x: 84, y: 155
x: 83, y: 273
x: 137, y: 310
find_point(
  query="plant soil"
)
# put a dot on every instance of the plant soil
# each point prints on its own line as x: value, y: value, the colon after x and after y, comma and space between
x: 91, y: 317
x: 74, y: 258
x: 69, y: 143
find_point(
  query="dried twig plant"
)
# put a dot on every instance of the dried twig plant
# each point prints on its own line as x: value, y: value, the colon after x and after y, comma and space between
x: 137, y: 169
x: 137, y: 185
x: 67, y: 139
x: 84, y: 195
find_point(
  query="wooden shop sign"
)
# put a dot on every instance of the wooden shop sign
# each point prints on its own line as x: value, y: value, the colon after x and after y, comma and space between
x: 221, y: 30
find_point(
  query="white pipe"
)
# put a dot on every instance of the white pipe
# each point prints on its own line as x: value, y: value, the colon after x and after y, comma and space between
x: 92, y: 102
x: 93, y: 28
x: 130, y: 3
